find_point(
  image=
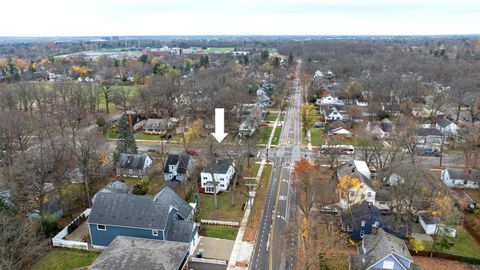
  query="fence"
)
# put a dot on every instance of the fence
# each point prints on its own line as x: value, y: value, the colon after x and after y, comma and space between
x: 446, y: 256
x: 219, y: 222
x: 210, y: 261
x: 58, y: 241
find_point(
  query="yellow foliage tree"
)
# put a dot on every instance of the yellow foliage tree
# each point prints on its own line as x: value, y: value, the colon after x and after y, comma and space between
x: 308, y: 116
x: 194, y: 131
x: 82, y: 71
x: 417, y: 245
x: 306, y: 228
x: 3, y: 62
x: 345, y: 185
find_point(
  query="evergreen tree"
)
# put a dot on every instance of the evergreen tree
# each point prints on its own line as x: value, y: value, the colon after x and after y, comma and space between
x: 126, y: 142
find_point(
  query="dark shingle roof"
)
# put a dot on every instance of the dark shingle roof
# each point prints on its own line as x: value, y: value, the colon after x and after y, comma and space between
x: 360, y: 212
x: 377, y: 248
x: 219, y: 166
x: 180, y: 231
x: 472, y: 175
x: 181, y: 159
x: 423, y: 132
x: 125, y: 253
x: 131, y: 161
x: 429, y: 219
x: 137, y: 211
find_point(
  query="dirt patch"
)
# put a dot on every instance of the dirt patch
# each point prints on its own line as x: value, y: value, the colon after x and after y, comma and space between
x: 461, y: 197
x: 442, y: 264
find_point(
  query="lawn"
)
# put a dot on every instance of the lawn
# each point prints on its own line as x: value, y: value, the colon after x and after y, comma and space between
x: 272, y: 117
x: 276, y: 135
x: 316, y: 135
x: 225, y: 211
x: 265, y: 134
x: 147, y: 137
x: 258, y: 203
x: 464, y: 244
x: 474, y: 194
x: 220, y: 49
x: 253, y: 170
x: 223, y: 232
x: 63, y: 259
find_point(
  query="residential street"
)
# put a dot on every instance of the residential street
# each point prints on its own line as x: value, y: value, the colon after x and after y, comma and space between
x: 275, y: 247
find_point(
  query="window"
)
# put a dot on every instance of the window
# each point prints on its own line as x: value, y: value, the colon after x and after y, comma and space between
x: 362, y: 233
x: 175, y: 217
x: 369, y: 194
x: 155, y: 232
x: 222, y: 179
x: 363, y: 223
x: 205, y: 178
x: 222, y: 185
x: 130, y: 171
x: 101, y: 227
x: 363, y: 196
x: 349, y: 229
x: 377, y: 224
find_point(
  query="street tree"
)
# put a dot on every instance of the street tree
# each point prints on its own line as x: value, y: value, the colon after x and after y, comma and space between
x: 126, y: 140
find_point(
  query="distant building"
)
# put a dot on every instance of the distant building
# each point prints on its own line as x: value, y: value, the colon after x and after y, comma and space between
x: 461, y: 178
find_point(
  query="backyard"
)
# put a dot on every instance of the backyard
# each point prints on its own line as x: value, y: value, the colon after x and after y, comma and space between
x: 225, y: 211
x: 223, y: 232
x: 464, y: 244
x: 64, y: 259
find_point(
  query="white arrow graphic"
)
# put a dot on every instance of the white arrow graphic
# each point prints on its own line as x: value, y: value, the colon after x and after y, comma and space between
x: 219, y: 125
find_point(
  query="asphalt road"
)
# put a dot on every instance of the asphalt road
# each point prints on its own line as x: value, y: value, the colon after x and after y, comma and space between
x: 275, y: 247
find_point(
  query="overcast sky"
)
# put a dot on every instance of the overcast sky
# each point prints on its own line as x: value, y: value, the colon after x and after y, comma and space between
x: 248, y: 17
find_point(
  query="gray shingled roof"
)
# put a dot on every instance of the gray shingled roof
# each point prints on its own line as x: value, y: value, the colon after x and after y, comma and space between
x: 423, y: 132
x: 445, y: 123
x: 219, y: 166
x: 180, y: 231
x: 180, y: 159
x: 130, y: 210
x: 378, y: 247
x: 131, y: 161
x: 126, y: 253
x: 156, y: 124
x: 473, y: 175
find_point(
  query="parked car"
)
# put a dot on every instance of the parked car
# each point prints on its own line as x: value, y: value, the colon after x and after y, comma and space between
x: 263, y: 124
x: 253, y: 153
x: 152, y: 150
x: 192, y: 152
x: 318, y: 125
x: 329, y: 209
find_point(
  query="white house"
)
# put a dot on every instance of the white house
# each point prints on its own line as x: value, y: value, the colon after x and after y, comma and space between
x: 223, y: 172
x: 430, y: 223
x: 335, y: 113
x: 318, y: 76
x: 460, y: 178
x: 447, y: 127
x: 341, y: 132
x: 329, y: 100
x: 357, y: 169
x: 361, y: 102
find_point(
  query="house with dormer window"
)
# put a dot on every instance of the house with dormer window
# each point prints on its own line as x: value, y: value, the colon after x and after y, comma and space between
x: 382, y: 251
x: 164, y: 216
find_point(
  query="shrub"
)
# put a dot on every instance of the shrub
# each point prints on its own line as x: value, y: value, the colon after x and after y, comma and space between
x: 49, y: 226
x: 100, y: 121
x: 141, y: 187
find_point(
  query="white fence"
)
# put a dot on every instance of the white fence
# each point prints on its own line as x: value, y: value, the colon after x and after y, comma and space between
x: 58, y: 240
x: 210, y: 261
x: 219, y: 222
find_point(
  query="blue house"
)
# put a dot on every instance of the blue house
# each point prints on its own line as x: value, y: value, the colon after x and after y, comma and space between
x: 164, y: 216
x: 360, y: 220
x: 382, y: 251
